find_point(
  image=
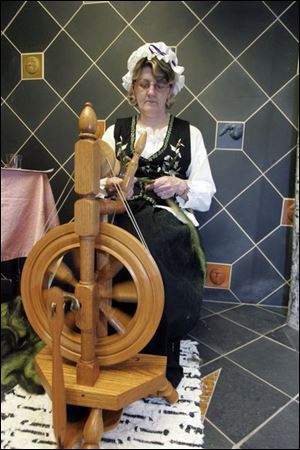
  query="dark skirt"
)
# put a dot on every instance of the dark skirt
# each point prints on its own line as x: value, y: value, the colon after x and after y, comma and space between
x: 169, y: 242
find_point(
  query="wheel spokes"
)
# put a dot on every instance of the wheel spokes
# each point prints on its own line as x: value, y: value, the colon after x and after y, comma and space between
x: 118, y: 319
x: 58, y: 269
x: 110, y: 269
x: 124, y: 292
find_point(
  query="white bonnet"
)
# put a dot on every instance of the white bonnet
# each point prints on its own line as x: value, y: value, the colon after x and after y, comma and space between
x: 149, y: 51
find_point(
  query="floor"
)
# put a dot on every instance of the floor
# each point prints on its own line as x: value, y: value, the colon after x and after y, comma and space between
x: 255, y: 401
x: 253, y: 356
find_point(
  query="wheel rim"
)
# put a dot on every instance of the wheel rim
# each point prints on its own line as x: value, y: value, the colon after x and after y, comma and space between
x: 120, y: 246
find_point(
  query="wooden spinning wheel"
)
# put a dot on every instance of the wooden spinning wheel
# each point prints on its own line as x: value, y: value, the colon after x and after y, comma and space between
x: 74, y: 298
x: 117, y: 249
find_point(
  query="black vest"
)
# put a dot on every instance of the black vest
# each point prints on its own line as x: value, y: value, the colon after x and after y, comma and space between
x: 172, y: 159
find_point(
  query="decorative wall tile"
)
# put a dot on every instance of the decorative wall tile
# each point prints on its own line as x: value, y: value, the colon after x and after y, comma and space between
x: 288, y: 210
x: 32, y: 66
x: 218, y: 276
x: 86, y: 46
x: 230, y: 135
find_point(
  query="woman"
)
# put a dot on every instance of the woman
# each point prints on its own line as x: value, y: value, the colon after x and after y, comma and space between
x: 173, y: 176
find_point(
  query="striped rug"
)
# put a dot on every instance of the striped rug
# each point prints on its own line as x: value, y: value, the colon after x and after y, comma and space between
x: 147, y: 423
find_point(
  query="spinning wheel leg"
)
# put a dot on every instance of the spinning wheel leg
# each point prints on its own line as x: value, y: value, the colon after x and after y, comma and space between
x: 74, y: 433
x: 93, y: 429
x: 168, y: 392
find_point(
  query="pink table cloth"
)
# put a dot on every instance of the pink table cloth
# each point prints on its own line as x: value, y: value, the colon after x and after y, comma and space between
x: 28, y: 211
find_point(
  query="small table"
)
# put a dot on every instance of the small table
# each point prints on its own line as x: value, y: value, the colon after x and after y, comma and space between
x: 28, y: 210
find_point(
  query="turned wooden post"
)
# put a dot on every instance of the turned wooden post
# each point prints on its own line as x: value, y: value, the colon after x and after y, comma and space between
x: 87, y: 223
x: 133, y: 164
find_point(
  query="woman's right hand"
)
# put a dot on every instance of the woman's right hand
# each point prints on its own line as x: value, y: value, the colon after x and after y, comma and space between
x: 111, y: 185
x: 113, y: 182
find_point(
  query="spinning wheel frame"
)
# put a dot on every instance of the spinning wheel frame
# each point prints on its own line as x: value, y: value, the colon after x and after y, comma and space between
x: 114, y: 248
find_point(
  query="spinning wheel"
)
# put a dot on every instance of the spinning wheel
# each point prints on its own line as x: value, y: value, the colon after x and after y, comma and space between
x: 115, y: 249
x: 74, y: 297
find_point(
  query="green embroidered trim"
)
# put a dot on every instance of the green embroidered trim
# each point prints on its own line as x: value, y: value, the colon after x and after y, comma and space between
x: 145, y: 180
x: 145, y: 197
x: 132, y: 134
x: 143, y: 194
x: 165, y: 143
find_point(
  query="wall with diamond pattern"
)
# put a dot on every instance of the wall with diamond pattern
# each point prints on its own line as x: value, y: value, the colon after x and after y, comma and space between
x: 241, y: 91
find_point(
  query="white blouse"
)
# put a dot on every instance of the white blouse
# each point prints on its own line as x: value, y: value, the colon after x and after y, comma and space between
x: 198, y: 176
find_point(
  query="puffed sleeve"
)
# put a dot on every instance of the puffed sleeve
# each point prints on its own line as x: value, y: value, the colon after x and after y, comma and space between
x: 199, y: 178
x: 108, y: 136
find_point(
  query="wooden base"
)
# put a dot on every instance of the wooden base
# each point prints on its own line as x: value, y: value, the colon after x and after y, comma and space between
x: 115, y: 388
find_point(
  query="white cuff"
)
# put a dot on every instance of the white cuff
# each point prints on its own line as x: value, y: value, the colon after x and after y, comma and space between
x: 102, y: 191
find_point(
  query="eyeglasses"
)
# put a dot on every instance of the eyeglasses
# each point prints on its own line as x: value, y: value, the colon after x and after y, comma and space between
x: 145, y: 85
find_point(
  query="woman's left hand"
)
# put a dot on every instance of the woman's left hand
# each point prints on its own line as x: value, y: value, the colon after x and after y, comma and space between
x: 167, y: 187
